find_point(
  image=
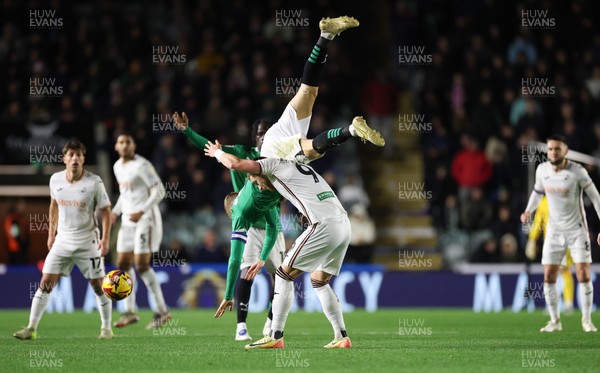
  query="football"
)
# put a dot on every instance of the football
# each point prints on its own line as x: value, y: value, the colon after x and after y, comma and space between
x: 117, y: 285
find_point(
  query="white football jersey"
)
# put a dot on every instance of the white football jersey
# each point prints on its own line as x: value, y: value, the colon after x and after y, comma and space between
x: 136, y: 179
x: 564, y: 192
x: 304, y: 188
x: 77, y: 204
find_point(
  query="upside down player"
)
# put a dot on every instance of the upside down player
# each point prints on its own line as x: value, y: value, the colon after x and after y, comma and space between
x: 286, y: 139
x: 141, y: 227
x: 563, y: 182
x: 73, y: 239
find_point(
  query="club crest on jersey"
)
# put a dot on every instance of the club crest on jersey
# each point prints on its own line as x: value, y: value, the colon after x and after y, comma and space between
x: 83, y: 191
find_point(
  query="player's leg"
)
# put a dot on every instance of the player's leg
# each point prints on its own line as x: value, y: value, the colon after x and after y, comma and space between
x: 38, y: 305
x: 568, y: 284
x: 304, y: 99
x: 148, y: 276
x: 104, y: 308
x: 551, y: 297
x: 339, y: 238
x: 553, y: 252
x: 147, y: 242
x: 579, y: 243
x: 331, y: 308
x: 282, y: 304
x: 316, y: 148
x: 273, y: 262
x: 91, y: 265
x: 125, y: 247
x: 586, y: 295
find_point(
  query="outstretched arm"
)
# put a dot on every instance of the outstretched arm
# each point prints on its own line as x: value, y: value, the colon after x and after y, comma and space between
x: 231, y: 161
x: 592, y: 193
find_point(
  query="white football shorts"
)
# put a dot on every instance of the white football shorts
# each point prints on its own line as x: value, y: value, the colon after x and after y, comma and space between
x: 282, y: 140
x: 556, y: 243
x: 63, y: 256
x: 321, y: 247
x: 254, y: 245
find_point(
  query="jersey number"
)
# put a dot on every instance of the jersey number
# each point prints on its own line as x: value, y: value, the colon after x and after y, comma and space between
x: 305, y: 170
x: 95, y: 262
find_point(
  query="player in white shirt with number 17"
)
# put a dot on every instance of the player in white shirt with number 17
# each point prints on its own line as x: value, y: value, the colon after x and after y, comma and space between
x: 563, y: 182
x: 75, y: 194
x: 141, y: 227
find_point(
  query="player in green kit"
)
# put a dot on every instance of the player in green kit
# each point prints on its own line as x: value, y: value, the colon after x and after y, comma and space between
x: 255, y: 235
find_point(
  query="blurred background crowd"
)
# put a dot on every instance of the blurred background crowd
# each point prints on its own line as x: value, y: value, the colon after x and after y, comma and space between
x: 233, y: 62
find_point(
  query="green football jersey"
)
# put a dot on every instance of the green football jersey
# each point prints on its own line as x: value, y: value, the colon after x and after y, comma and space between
x: 238, y: 178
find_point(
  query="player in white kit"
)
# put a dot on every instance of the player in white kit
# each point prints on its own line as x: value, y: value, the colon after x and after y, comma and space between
x: 73, y: 237
x: 140, y: 235
x: 563, y: 182
x: 320, y: 249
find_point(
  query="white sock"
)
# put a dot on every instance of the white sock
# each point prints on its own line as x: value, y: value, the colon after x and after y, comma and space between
x: 282, y: 303
x: 105, y: 309
x: 241, y: 325
x: 38, y: 306
x: 352, y: 130
x: 586, y: 298
x: 130, y: 300
x: 551, y: 297
x: 153, y: 286
x: 328, y: 35
x: 332, y: 309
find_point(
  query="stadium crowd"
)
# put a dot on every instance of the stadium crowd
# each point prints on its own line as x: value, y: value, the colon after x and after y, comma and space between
x: 227, y: 64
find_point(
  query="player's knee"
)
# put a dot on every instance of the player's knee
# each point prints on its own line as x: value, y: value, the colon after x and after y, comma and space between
x: 124, y: 265
x: 318, y: 283
x: 283, y: 273
x: 47, y: 286
x: 97, y: 286
x: 142, y: 267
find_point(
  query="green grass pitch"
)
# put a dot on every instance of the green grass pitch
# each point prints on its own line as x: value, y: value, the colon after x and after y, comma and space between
x: 425, y: 340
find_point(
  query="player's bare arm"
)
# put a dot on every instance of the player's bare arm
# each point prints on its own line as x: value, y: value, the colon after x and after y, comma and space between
x: 53, y: 222
x: 229, y: 160
x: 104, y: 241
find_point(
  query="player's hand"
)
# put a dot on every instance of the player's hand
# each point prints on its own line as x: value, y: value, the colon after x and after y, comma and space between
x: 52, y: 238
x: 136, y: 216
x: 598, y: 239
x: 104, y: 246
x: 531, y: 250
x: 181, y: 122
x: 225, y: 304
x: 525, y: 217
x: 254, y: 269
x: 210, y: 148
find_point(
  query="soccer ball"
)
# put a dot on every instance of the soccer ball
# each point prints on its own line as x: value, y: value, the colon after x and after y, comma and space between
x: 117, y: 285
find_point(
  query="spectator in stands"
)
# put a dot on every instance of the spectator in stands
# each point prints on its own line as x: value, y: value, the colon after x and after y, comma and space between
x: 487, y: 252
x: 362, y: 235
x: 210, y: 251
x: 470, y: 168
x: 476, y: 211
x: 16, y: 231
x: 352, y: 193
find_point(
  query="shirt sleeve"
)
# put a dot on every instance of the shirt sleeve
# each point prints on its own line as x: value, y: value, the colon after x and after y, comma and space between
x: 583, y: 178
x: 152, y: 180
x: 268, y: 166
x: 101, y: 196
x: 539, y: 184
x: 198, y: 140
x: 271, y: 233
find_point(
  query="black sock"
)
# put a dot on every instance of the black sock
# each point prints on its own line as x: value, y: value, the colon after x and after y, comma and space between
x: 271, y: 295
x: 314, y: 64
x: 328, y: 139
x: 344, y: 334
x: 277, y: 334
x: 243, y: 297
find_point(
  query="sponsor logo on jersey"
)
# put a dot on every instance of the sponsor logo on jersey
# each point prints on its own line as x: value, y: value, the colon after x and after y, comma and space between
x: 324, y: 195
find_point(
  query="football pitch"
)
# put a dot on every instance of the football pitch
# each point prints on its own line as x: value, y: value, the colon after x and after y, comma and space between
x: 426, y: 340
